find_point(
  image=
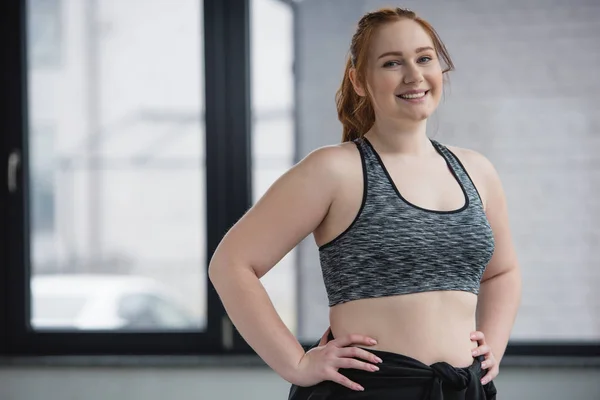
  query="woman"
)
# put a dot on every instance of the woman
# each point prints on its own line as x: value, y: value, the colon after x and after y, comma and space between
x: 415, y: 248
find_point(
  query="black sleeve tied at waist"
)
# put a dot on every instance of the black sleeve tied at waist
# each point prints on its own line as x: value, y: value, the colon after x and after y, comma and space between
x: 402, y: 377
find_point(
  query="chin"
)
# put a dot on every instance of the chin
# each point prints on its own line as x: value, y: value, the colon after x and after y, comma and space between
x: 416, y: 114
x: 417, y: 117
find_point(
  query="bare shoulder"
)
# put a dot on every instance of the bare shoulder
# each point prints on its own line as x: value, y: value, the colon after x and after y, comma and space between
x: 480, y: 169
x: 291, y: 208
x: 332, y: 159
x: 332, y: 166
x: 473, y: 158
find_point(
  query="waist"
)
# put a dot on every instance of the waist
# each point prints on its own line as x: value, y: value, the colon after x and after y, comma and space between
x: 400, y: 377
x: 429, y: 327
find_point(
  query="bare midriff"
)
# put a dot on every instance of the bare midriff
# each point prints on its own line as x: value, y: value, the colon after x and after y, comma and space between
x: 428, y: 326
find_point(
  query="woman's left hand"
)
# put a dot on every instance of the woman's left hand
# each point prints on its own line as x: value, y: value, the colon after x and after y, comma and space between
x: 489, y: 364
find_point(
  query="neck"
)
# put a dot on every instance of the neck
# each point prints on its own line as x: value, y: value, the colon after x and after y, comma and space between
x: 401, y: 139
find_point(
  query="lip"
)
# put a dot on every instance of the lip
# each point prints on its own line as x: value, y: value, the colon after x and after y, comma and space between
x: 414, y: 91
x: 418, y: 100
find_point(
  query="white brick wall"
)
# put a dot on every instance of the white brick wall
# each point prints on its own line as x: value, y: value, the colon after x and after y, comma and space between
x: 525, y: 94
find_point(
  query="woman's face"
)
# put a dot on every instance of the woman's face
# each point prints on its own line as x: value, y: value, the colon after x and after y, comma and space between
x: 404, y: 75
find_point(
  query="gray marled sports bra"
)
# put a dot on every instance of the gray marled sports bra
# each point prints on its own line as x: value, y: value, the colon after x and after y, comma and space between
x: 395, y: 247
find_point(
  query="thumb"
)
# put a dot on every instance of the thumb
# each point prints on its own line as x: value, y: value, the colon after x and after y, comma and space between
x: 325, y: 337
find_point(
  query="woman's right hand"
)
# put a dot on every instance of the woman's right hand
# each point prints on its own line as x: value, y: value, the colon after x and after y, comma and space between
x: 321, y: 363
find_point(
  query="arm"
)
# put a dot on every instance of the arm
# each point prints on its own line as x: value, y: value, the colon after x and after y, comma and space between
x: 500, y: 293
x: 289, y: 211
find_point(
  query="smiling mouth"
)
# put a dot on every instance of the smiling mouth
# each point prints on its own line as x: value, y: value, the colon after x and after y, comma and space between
x: 412, y: 96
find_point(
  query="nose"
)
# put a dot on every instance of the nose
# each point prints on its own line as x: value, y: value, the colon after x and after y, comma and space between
x: 412, y: 74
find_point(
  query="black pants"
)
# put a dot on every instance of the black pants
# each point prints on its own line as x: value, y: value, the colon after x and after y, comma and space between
x: 404, y: 378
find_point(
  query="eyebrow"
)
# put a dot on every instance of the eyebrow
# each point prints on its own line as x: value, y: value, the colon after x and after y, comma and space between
x: 399, y: 53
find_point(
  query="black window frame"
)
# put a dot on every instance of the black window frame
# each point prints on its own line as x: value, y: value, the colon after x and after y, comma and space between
x: 228, y: 191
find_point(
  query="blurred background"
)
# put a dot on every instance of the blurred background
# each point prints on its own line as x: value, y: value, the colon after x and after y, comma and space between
x: 116, y: 146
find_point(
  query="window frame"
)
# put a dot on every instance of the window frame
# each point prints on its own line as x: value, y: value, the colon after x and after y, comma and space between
x: 228, y: 191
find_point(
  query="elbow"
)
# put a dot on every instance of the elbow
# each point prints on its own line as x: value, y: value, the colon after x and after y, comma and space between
x: 220, y: 270
x: 219, y: 276
x: 216, y: 271
x: 212, y: 272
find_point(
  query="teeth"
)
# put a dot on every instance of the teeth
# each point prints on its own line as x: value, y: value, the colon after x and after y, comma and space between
x: 412, y: 96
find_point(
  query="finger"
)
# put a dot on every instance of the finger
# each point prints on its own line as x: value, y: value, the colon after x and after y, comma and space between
x: 351, y: 363
x: 344, y: 381
x: 325, y: 337
x: 488, y: 363
x: 355, y: 352
x: 355, y: 339
x: 483, y: 349
x: 489, y: 376
x: 485, y: 379
x: 478, y: 336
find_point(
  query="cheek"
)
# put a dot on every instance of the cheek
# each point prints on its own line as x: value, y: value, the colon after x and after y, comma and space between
x: 384, y: 84
x: 436, y: 82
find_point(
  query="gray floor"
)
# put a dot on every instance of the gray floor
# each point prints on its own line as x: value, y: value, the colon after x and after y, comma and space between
x: 260, y: 384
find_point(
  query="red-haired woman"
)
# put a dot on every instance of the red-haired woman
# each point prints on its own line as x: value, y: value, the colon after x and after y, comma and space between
x: 415, y: 248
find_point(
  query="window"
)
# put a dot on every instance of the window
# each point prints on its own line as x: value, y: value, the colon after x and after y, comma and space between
x: 126, y: 151
x: 273, y: 128
x: 150, y: 311
x: 123, y: 173
x: 42, y: 188
x: 46, y: 32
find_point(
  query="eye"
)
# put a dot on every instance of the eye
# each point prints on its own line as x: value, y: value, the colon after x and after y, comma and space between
x: 391, y: 64
x: 425, y: 59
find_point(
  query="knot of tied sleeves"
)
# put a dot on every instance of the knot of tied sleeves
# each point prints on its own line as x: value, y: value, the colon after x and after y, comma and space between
x: 394, y: 379
x: 447, y: 378
x: 398, y: 375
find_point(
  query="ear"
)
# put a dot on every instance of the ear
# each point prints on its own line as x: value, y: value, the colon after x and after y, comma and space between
x: 355, y: 83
